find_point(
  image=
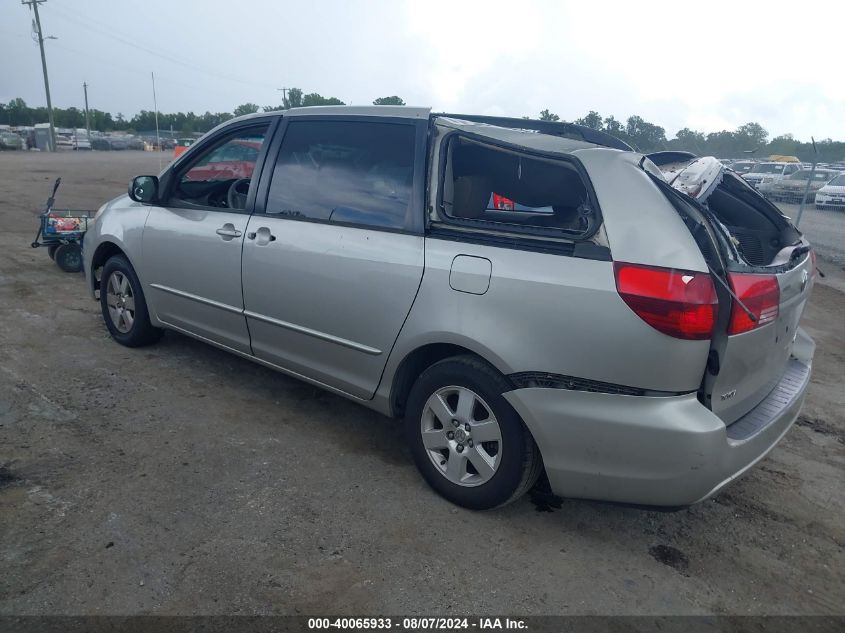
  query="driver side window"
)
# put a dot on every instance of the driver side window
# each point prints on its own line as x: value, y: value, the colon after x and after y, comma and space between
x: 219, y: 177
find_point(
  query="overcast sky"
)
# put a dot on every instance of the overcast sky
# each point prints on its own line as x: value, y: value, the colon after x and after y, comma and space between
x: 704, y: 65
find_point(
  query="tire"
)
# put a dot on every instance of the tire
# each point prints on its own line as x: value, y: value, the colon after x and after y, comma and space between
x: 51, y: 250
x: 508, y: 465
x: 68, y: 257
x: 123, y: 305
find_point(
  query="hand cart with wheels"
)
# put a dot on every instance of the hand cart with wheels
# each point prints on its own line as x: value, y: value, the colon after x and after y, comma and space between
x: 62, y: 231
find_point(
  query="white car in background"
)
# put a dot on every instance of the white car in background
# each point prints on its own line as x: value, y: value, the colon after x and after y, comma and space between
x: 832, y: 195
x: 763, y: 174
x: 742, y: 167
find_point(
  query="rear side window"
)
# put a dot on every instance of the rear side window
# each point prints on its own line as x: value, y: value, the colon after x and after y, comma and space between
x: 357, y: 173
x: 510, y: 189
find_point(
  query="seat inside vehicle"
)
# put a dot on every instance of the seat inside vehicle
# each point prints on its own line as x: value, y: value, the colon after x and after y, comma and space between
x: 506, y: 186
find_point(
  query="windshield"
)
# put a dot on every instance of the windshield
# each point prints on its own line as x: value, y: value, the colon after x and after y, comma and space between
x: 742, y: 168
x: 839, y: 181
x: 819, y: 176
x: 767, y: 168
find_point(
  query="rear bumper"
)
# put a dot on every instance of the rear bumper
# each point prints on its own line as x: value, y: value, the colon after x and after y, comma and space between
x: 662, y: 451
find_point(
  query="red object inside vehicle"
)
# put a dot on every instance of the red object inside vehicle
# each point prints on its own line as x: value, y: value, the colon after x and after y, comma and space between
x: 502, y: 203
x: 678, y: 303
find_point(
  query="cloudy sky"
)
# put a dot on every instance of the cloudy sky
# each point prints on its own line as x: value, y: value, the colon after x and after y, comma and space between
x: 704, y: 65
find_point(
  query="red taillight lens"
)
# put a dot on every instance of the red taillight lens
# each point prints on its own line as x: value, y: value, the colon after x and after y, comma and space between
x: 760, y: 294
x: 502, y: 203
x: 813, y: 260
x: 676, y: 302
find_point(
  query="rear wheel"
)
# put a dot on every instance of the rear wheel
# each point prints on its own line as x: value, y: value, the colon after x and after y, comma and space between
x: 51, y: 250
x: 467, y: 441
x: 123, y: 305
x: 68, y: 257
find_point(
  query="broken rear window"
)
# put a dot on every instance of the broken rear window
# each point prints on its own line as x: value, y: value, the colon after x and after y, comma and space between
x: 511, y: 189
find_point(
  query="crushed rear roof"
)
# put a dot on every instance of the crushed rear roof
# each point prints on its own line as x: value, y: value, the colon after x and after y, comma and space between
x: 526, y: 138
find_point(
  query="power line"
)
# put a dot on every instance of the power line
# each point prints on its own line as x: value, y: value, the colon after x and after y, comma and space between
x: 174, y: 60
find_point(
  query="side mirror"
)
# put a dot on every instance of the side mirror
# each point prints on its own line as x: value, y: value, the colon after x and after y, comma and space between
x: 144, y: 189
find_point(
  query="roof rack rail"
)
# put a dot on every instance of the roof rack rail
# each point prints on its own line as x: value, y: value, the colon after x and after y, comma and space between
x: 553, y: 128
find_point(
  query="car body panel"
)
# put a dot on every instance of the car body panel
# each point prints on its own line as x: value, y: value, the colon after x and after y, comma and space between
x: 334, y: 307
x: 192, y: 275
x: 668, y: 451
x: 577, y: 296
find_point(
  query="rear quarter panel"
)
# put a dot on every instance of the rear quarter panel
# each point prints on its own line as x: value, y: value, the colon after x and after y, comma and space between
x: 548, y: 313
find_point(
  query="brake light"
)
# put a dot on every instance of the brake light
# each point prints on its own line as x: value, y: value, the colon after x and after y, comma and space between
x: 502, y: 203
x: 813, y: 261
x: 760, y: 294
x: 676, y: 302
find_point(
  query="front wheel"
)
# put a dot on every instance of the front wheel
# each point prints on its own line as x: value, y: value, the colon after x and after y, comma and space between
x: 467, y: 441
x: 123, y: 305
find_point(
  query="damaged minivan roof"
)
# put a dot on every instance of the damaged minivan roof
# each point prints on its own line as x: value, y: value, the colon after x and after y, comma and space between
x: 530, y: 139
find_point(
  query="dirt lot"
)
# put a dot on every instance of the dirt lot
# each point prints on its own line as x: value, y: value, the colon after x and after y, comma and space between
x: 180, y: 479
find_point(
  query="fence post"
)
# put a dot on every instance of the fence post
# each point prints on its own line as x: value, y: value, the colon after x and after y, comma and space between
x: 807, y: 188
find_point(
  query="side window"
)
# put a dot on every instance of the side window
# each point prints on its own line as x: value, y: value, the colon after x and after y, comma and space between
x: 351, y: 172
x: 220, y: 177
x: 483, y: 183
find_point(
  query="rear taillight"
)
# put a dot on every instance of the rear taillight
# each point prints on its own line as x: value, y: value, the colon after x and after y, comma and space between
x: 813, y: 261
x: 760, y: 294
x: 676, y: 302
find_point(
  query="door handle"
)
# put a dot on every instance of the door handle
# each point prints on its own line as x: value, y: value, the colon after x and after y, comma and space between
x: 262, y: 236
x: 228, y: 231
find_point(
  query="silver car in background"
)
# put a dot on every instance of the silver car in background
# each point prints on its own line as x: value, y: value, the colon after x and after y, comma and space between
x: 529, y: 298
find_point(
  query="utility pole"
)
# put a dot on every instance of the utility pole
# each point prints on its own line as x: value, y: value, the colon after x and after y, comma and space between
x: 155, y: 105
x: 33, y: 4
x: 284, y: 95
x: 87, y: 124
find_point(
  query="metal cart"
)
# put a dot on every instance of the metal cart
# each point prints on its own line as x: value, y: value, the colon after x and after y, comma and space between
x: 62, y: 231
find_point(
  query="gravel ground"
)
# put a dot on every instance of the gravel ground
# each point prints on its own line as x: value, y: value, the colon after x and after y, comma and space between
x: 178, y: 479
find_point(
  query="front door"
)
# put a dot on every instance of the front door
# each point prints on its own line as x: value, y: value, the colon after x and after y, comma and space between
x: 192, y: 243
x: 331, y: 269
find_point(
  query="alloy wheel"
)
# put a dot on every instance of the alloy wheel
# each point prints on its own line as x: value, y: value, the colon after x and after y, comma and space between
x: 461, y: 436
x: 120, y: 301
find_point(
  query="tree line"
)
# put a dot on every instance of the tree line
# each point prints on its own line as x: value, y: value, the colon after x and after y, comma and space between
x: 750, y: 140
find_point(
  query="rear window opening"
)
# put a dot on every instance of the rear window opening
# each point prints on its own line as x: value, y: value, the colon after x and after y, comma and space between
x: 759, y: 227
x: 512, y: 190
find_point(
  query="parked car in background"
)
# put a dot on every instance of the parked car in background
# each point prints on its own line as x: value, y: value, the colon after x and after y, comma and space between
x: 791, y: 189
x: 10, y: 140
x: 742, y: 166
x: 769, y: 172
x: 832, y: 195
x: 81, y: 143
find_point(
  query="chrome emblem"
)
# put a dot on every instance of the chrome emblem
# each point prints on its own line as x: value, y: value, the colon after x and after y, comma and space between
x: 729, y: 395
x: 805, y: 276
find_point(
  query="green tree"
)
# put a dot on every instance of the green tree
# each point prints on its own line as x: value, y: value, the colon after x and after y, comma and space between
x: 752, y: 134
x: 245, y: 108
x: 315, y: 99
x: 593, y: 120
x: 394, y: 100
x: 293, y: 99
x: 645, y: 136
x: 614, y: 127
x: 545, y: 115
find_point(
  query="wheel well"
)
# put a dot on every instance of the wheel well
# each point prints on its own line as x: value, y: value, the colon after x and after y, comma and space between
x: 415, y: 364
x: 101, y: 256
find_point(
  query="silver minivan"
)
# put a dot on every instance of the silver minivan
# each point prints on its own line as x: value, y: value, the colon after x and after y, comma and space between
x: 529, y: 298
